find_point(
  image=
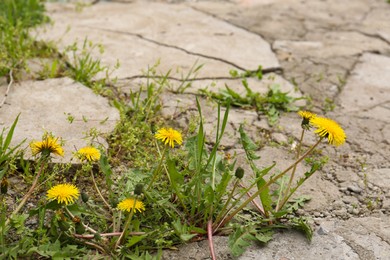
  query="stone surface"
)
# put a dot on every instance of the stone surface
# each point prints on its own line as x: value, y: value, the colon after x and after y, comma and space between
x: 284, y: 245
x: 46, y: 105
x: 139, y: 34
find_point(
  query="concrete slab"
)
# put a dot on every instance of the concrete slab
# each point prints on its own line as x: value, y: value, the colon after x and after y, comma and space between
x: 284, y: 245
x: 46, y: 105
x: 367, y: 86
x: 138, y: 34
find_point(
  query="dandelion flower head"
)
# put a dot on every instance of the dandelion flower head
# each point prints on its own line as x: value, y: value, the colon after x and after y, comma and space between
x: 306, y: 116
x: 128, y: 205
x: 169, y: 136
x: 47, y: 146
x: 88, y: 153
x: 63, y: 193
x: 330, y: 129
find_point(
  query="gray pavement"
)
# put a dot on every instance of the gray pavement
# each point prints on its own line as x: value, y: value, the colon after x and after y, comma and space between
x: 337, y: 52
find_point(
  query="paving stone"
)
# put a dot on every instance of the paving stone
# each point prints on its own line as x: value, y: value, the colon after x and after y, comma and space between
x: 285, y: 245
x: 380, y: 177
x: 45, y: 106
x: 368, y: 83
x: 139, y: 34
x: 368, y: 236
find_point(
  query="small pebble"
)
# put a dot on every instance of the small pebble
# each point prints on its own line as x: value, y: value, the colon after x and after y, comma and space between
x: 322, y: 231
x: 356, y: 211
x: 354, y: 189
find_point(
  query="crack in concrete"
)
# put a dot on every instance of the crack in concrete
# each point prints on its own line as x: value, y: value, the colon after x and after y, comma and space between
x: 363, y: 253
x: 230, y: 23
x: 267, y: 70
x: 264, y: 71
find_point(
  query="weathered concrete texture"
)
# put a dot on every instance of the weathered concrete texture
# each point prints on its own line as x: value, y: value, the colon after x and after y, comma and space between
x: 369, y: 83
x: 284, y: 245
x: 46, y: 105
x: 139, y: 34
x: 317, y: 48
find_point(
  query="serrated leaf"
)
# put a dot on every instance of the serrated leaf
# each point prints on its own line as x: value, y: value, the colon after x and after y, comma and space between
x: 240, y: 240
x: 249, y: 146
x: 302, y: 225
x: 264, y: 236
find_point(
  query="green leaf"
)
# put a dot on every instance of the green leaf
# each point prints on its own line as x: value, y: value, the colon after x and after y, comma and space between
x: 239, y: 240
x: 182, y: 230
x: 176, y: 178
x: 264, y: 236
x: 249, y: 146
x: 302, y: 225
x: 264, y: 196
x: 134, y: 240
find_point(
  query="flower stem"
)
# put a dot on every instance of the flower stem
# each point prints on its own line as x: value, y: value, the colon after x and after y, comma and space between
x: 98, y: 191
x: 218, y: 218
x: 85, y: 226
x: 128, y: 220
x: 157, y: 171
x: 271, y: 181
x: 210, y: 238
x: 28, y: 194
x: 285, y: 194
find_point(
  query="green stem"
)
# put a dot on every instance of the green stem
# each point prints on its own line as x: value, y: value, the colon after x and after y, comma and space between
x: 271, y: 181
x: 218, y: 218
x: 129, y: 217
x: 285, y: 195
x: 157, y: 171
x: 98, y: 191
x: 28, y: 194
x: 85, y: 226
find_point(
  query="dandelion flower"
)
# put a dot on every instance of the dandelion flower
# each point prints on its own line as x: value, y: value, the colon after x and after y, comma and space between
x: 88, y: 153
x: 47, y: 146
x: 329, y: 129
x: 306, y: 116
x: 63, y: 193
x: 128, y: 205
x: 169, y: 136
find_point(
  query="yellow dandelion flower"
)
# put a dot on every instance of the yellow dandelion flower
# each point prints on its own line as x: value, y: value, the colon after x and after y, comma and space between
x: 330, y: 129
x: 63, y: 193
x: 88, y: 153
x: 47, y: 146
x: 169, y: 136
x: 306, y: 116
x: 128, y: 204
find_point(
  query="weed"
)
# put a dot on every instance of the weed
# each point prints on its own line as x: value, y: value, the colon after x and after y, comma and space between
x: 329, y: 105
x: 16, y: 45
x: 269, y: 104
x: 84, y: 67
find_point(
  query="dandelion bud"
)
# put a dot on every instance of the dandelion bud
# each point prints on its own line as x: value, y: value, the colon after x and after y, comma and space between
x: 84, y: 197
x: 138, y: 189
x: 63, y: 225
x: 239, y: 173
x: 4, y: 186
x: 79, y: 228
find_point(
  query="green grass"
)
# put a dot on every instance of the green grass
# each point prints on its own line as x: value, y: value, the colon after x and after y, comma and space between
x: 17, y: 17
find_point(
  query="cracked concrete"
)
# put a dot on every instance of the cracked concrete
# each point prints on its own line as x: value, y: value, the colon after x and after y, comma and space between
x: 337, y: 53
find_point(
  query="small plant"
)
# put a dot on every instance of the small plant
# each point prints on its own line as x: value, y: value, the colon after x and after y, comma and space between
x: 269, y: 104
x: 16, y: 44
x: 84, y: 66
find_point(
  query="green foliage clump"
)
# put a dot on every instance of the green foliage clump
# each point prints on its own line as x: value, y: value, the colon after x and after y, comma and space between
x: 270, y: 104
x: 17, y: 17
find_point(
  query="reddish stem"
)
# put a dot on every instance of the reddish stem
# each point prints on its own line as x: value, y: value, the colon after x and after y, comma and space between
x: 210, y: 237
